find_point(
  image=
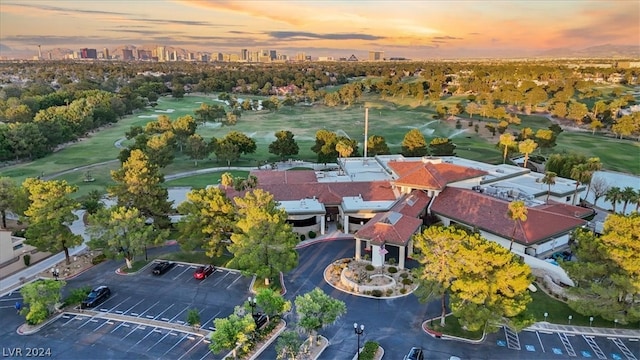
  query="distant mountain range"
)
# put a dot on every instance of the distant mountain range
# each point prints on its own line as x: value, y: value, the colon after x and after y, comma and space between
x: 606, y: 51
x: 599, y: 51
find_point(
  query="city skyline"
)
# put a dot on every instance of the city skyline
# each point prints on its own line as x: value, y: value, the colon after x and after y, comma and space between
x: 412, y: 29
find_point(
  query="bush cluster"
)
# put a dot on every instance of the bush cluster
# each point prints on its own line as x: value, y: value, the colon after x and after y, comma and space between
x: 376, y: 293
x: 393, y: 269
x: 302, y: 237
x: 98, y: 259
x: 312, y: 234
x: 369, y: 350
x: 369, y: 267
x: 77, y: 295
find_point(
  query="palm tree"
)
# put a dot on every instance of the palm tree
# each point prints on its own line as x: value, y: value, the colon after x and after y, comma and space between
x: 593, y: 164
x: 627, y: 195
x: 527, y: 147
x: 582, y: 175
x: 613, y: 195
x: 636, y: 199
x: 517, y: 212
x: 549, y: 179
x: 506, y: 140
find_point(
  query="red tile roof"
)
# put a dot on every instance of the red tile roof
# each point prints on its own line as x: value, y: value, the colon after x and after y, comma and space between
x: 412, y: 204
x: 566, y: 209
x: 490, y: 214
x: 380, y: 230
x: 330, y: 194
x: 436, y: 176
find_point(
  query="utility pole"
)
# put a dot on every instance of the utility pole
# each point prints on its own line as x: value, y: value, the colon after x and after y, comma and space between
x: 366, y: 131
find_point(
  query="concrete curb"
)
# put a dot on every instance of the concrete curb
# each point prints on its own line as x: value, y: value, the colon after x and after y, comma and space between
x: 268, y: 342
x: 439, y: 335
x: 375, y: 358
x: 25, y: 329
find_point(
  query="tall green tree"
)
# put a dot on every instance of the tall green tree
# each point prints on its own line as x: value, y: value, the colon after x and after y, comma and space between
x: 582, y: 175
x: 197, y: 148
x: 184, y: 127
x: 271, y: 302
x: 289, y: 345
x: 442, y: 147
x: 491, y: 287
x: 377, y: 145
x: 628, y: 194
x: 227, y: 151
x: 8, y: 191
x: 50, y: 213
x: 208, y: 220
x: 325, y: 146
x: 123, y: 233
x: 316, y: 310
x: 414, y: 143
x: 233, y: 332
x: 607, y: 277
x: 245, y: 144
x: 264, y: 243
x: 139, y: 185
x: 437, y: 247
x: 284, y: 145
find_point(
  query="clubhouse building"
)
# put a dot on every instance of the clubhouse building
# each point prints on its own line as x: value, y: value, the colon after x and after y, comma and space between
x: 385, y: 200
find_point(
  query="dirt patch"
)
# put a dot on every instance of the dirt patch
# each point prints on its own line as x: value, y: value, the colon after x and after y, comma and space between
x: 78, y: 264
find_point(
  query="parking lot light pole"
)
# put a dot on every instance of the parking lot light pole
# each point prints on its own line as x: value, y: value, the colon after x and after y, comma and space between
x: 359, y: 331
x: 252, y: 303
x: 591, y: 321
x: 545, y: 316
x: 570, y: 317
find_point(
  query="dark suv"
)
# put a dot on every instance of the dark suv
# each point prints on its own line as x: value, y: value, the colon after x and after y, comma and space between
x: 162, y: 267
x: 96, y: 297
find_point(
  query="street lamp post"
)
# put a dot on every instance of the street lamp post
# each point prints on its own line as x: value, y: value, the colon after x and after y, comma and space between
x: 359, y: 331
x: 545, y: 316
x: 615, y: 323
x: 590, y: 320
x: 570, y: 317
x: 252, y: 303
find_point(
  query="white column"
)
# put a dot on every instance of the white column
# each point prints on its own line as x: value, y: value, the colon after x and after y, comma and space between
x: 358, y: 251
x: 410, y: 247
x: 322, y: 224
x: 401, y: 256
x: 345, y: 223
x: 377, y: 259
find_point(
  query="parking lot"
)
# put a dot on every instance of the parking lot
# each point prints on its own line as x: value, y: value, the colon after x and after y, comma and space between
x: 148, y: 302
x: 563, y: 345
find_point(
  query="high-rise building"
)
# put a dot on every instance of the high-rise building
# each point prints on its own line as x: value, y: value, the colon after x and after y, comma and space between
x: 376, y: 55
x: 244, y: 54
x: 127, y: 54
x: 88, y: 53
x: 161, y: 53
x: 105, y: 52
x: 273, y: 54
x: 301, y: 56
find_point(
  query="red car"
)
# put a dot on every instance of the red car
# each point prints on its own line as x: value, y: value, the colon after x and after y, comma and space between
x: 203, y: 272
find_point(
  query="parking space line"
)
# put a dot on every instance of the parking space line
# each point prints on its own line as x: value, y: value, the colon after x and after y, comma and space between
x: 117, y: 327
x: 540, y: 340
x: 149, y: 308
x: 234, y: 281
x: 193, y: 347
x: 206, y: 354
x: 103, y: 324
x: 184, y: 271
x: 165, y: 310
x: 120, y: 303
x: 131, y: 332
x: 214, y: 316
x: 129, y: 309
x: 91, y: 319
x: 567, y: 344
x: 625, y: 350
x: 157, y: 342
x: 146, y: 336
x: 173, y: 318
x: 220, y: 279
x: 594, y: 346
x: 177, y: 343
x: 70, y: 320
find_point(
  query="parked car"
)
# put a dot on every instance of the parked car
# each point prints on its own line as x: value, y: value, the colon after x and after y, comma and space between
x: 562, y: 255
x: 203, y: 272
x: 96, y: 297
x: 414, y: 354
x: 162, y: 267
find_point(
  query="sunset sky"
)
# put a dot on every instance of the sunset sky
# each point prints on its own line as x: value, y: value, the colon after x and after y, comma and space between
x: 414, y: 29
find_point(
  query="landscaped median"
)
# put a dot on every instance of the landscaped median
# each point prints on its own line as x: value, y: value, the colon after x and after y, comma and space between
x: 452, y: 330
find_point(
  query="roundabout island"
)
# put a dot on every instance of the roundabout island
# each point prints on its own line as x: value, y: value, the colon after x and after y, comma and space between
x: 361, y: 278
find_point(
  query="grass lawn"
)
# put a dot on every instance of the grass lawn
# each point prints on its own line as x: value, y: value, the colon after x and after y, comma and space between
x: 274, y: 285
x: 558, y: 313
x: 452, y: 327
x: 136, y: 266
x: 203, y: 180
x: 197, y: 257
x: 389, y: 117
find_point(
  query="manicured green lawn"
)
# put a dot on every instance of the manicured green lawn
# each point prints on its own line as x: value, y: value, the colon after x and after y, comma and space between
x: 389, y: 117
x: 203, y: 180
x: 452, y: 327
